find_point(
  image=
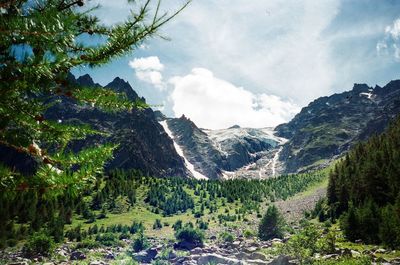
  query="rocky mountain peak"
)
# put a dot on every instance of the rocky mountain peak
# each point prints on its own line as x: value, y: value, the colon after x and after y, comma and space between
x: 86, y: 80
x: 122, y: 86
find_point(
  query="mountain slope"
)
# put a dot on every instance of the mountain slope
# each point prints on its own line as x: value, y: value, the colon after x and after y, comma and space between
x: 144, y: 144
x: 226, y: 152
x: 328, y: 126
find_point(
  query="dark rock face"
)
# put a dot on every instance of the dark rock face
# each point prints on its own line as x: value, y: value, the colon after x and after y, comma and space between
x: 328, y: 126
x: 143, y: 143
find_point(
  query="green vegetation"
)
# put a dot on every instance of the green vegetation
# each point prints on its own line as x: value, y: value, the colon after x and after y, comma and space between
x: 364, y: 190
x: 119, y: 203
x: 272, y: 224
x: 140, y: 243
x: 41, y: 42
x: 39, y: 243
x: 190, y: 235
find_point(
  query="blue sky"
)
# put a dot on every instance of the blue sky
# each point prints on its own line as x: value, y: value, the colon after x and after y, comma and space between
x: 256, y: 63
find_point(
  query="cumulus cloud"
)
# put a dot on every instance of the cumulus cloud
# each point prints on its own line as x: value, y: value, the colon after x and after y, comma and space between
x: 214, y: 103
x: 390, y: 43
x: 394, y: 29
x: 148, y: 69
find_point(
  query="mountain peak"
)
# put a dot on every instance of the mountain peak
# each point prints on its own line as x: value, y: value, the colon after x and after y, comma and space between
x: 361, y: 88
x: 122, y: 86
x: 85, y: 80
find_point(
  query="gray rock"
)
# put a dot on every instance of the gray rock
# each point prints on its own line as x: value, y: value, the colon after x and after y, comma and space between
x: 98, y: 262
x: 196, y: 251
x: 146, y: 256
x: 77, y: 255
x: 281, y: 260
x: 109, y: 255
x: 257, y: 255
x: 217, y: 259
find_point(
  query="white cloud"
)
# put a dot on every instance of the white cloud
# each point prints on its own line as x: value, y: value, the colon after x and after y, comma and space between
x: 267, y: 46
x: 147, y: 63
x: 148, y: 69
x: 215, y: 103
x: 390, y: 44
x: 394, y: 29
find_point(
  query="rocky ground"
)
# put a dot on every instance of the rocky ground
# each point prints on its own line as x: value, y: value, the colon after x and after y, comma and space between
x: 242, y: 251
x: 293, y: 209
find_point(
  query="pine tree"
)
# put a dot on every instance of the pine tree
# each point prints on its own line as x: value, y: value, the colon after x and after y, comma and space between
x: 271, y: 225
x: 39, y: 45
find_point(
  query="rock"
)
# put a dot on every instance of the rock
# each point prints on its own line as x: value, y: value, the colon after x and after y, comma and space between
x: 77, y: 255
x: 217, y: 259
x: 281, y: 260
x: 250, y: 249
x: 196, y: 251
x: 257, y: 255
x: 346, y: 252
x: 380, y: 250
x: 109, y: 255
x: 97, y: 262
x: 146, y: 256
x: 330, y: 256
x: 355, y: 253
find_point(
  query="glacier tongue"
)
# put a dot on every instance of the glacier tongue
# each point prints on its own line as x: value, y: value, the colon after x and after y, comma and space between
x: 189, y: 166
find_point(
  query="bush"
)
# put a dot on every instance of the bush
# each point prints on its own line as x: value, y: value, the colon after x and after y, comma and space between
x: 87, y: 243
x: 248, y: 233
x: 157, y: 224
x: 272, y: 224
x: 39, y: 243
x: 177, y: 225
x: 190, y: 235
x: 136, y: 227
x: 226, y: 237
x: 140, y: 243
x: 108, y: 239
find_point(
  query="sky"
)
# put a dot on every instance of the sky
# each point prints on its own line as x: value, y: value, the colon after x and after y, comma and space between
x: 256, y: 63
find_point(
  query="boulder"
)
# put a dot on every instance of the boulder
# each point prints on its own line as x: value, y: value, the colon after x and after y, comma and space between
x: 196, y: 251
x: 146, y: 256
x: 281, y: 260
x: 217, y: 259
x: 77, y: 255
x: 97, y: 262
x: 257, y: 255
x: 109, y: 255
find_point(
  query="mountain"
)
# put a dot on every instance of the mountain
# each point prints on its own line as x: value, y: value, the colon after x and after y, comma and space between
x: 220, y: 153
x: 328, y: 126
x: 143, y: 143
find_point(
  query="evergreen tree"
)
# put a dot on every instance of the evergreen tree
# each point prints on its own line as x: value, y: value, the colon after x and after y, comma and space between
x: 271, y: 225
x: 41, y: 42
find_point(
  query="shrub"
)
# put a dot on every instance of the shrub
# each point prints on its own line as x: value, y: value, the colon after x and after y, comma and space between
x: 226, y: 237
x: 136, y: 227
x: 157, y: 224
x: 140, y: 243
x: 39, y: 243
x: 248, y: 233
x: 190, y: 235
x: 87, y: 243
x: 108, y: 239
x: 177, y: 225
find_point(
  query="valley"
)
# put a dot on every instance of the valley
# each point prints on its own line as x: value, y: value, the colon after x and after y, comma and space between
x: 215, y: 185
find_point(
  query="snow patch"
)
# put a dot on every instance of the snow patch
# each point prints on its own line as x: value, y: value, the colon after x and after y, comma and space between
x: 189, y: 166
x: 368, y: 95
